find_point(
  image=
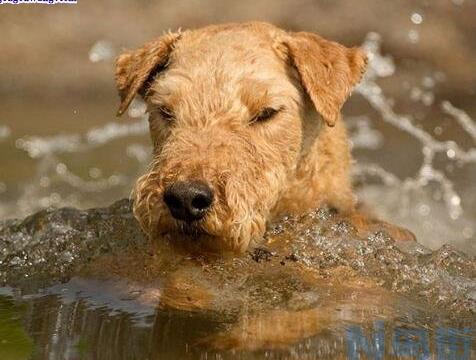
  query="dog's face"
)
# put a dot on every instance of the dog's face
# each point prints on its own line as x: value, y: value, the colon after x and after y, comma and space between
x: 226, y: 108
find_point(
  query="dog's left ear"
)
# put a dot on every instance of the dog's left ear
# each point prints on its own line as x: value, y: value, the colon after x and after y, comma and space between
x: 136, y: 69
x: 328, y: 71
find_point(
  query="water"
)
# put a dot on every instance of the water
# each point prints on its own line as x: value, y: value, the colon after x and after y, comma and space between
x: 91, y: 321
x: 417, y: 198
x: 88, y: 284
x: 414, y: 138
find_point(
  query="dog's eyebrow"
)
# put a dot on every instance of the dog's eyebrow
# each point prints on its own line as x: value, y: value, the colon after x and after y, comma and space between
x: 255, y: 95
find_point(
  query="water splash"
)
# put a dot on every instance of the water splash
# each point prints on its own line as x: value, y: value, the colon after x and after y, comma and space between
x: 428, y: 173
x: 54, y: 184
x: 40, y: 147
x: 463, y: 119
x: 114, y: 130
x: 363, y: 134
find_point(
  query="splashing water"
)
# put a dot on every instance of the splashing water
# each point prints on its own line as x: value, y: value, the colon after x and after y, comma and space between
x: 427, y: 173
x: 54, y: 184
x: 428, y: 202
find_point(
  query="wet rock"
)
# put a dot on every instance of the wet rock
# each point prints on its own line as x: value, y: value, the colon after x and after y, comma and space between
x: 261, y: 254
x: 45, y: 247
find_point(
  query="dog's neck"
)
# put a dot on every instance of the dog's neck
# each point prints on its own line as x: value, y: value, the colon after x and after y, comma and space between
x: 321, y: 176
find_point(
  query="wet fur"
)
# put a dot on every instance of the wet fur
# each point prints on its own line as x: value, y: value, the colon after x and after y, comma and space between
x: 215, y: 80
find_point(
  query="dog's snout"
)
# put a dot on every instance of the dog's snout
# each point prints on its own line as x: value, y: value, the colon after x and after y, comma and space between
x: 188, y: 201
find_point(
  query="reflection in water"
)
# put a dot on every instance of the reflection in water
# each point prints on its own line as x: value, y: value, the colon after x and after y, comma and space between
x: 94, y: 320
x: 15, y: 344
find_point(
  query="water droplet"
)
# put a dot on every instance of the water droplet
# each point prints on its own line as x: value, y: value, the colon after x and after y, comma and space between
x: 438, y: 130
x: 102, y: 50
x: 61, y: 169
x: 114, y: 180
x: 455, y: 214
x: 455, y: 200
x: 428, y: 82
x: 427, y: 98
x: 450, y: 153
x: 413, y: 36
x: 416, y: 18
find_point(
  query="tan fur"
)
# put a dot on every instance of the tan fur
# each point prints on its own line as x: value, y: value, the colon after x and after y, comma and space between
x: 213, y: 81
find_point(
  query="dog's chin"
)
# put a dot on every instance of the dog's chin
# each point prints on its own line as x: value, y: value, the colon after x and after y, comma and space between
x: 192, y: 231
x: 192, y: 238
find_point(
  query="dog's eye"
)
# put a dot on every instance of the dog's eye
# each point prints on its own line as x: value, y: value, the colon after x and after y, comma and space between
x: 165, y: 113
x: 265, y: 114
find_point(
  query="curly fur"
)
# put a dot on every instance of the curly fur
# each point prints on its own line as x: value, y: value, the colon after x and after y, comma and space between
x: 214, y: 81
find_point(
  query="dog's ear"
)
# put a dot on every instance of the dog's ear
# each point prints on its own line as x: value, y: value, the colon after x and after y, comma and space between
x: 136, y: 69
x: 327, y: 69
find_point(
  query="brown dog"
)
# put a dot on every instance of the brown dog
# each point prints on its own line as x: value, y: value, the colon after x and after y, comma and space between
x: 245, y: 122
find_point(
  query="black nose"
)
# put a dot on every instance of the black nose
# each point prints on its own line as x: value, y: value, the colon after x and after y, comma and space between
x: 188, y: 201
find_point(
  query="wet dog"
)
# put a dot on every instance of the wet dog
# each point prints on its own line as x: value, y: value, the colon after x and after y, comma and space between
x: 246, y: 126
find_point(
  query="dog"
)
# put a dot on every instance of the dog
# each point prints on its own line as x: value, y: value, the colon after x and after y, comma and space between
x: 246, y: 126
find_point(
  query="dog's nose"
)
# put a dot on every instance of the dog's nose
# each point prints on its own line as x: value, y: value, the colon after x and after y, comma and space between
x: 188, y: 201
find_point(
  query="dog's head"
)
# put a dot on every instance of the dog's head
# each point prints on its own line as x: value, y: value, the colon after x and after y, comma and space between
x: 226, y: 107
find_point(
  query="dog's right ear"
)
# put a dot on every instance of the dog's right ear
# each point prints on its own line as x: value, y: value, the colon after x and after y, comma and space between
x: 136, y: 69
